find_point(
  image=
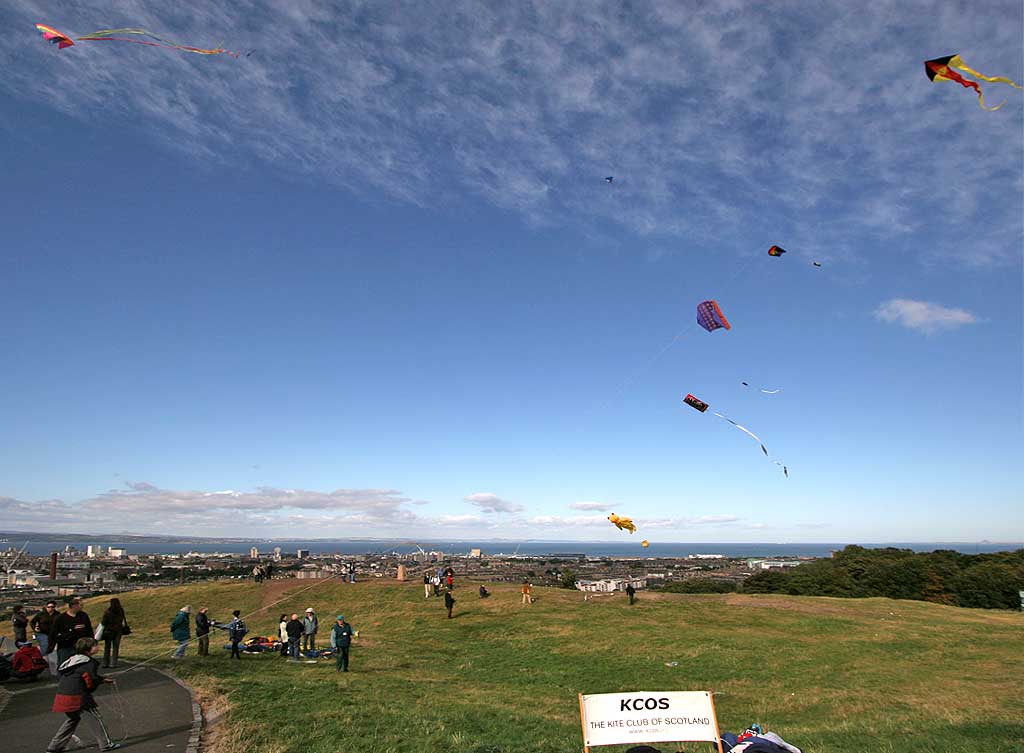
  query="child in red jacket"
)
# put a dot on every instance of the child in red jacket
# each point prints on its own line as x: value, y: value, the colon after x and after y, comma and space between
x: 78, y: 677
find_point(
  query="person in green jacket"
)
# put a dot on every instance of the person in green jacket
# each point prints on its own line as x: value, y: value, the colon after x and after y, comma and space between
x: 181, y: 632
x: 341, y: 639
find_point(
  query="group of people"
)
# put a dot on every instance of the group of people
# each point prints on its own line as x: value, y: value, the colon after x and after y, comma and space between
x: 261, y: 571
x: 59, y: 632
x: 296, y: 635
x: 70, y: 637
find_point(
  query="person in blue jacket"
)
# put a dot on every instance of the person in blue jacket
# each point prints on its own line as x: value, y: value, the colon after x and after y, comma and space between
x: 341, y: 639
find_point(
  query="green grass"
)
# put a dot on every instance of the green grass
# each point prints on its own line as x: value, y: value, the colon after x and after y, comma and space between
x: 830, y: 675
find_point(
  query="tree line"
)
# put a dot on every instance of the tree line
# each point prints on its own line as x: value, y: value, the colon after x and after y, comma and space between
x: 987, y: 581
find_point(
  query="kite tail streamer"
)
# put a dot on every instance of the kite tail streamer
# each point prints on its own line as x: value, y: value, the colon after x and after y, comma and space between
x: 956, y: 62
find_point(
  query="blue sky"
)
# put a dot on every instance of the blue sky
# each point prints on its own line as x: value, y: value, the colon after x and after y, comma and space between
x: 370, y: 279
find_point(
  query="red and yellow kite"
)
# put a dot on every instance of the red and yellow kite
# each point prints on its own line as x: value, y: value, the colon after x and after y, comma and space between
x: 63, y: 40
x: 941, y: 69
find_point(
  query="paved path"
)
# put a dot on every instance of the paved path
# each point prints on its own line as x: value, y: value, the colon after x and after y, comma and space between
x: 157, y: 714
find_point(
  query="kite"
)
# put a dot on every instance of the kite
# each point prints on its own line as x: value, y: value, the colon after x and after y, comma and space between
x: 694, y: 402
x: 816, y: 263
x: 940, y: 69
x: 745, y: 430
x: 776, y: 251
x: 610, y: 179
x: 623, y: 524
x: 645, y: 543
x: 784, y: 468
x: 62, y: 40
x: 710, y: 316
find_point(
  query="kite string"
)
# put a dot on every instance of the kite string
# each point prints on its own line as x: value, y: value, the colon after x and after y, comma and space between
x: 290, y: 595
x: 681, y: 334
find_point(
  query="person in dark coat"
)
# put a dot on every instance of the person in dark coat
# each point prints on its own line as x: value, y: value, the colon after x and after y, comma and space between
x: 68, y: 627
x: 236, y: 632
x: 42, y: 624
x: 114, y: 623
x: 294, y: 629
x: 78, y: 677
x: 484, y: 593
x: 203, y: 624
x: 341, y: 639
x: 449, y: 602
x: 19, y: 621
x: 631, y: 593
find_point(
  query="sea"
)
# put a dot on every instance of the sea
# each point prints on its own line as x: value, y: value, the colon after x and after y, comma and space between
x: 520, y: 548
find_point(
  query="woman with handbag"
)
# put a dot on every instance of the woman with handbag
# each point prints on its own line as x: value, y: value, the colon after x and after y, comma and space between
x: 113, y: 627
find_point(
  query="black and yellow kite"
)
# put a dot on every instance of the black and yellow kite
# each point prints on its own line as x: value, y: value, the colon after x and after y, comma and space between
x: 941, y: 69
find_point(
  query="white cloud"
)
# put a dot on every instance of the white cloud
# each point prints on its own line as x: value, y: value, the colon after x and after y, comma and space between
x: 492, y: 503
x: 597, y: 506
x: 923, y: 316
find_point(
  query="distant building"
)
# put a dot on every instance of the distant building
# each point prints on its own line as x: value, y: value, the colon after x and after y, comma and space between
x: 705, y: 556
x: 277, y: 553
x: 254, y: 553
x: 116, y: 553
x: 776, y: 564
x: 302, y: 554
x: 94, y: 550
x: 475, y: 553
x: 608, y: 585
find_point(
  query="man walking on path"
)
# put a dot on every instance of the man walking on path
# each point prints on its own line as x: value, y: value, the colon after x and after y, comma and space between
x: 449, y: 602
x: 310, y: 626
x: 435, y: 581
x: 341, y: 639
x: 527, y: 596
x: 42, y: 624
x: 631, y: 593
x: 79, y: 677
x: 180, y: 631
x: 203, y: 631
x: 294, y: 629
x: 67, y: 629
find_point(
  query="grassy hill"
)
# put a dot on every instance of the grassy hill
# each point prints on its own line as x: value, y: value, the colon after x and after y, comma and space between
x: 830, y: 675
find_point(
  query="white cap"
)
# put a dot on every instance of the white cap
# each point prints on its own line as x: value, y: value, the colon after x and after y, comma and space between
x: 309, y: 609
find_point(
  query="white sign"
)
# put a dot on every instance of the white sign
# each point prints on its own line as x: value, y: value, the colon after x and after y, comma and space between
x: 648, y: 716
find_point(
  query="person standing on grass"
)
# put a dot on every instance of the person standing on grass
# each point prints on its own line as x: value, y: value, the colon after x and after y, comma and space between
x: 67, y: 629
x: 203, y: 624
x: 79, y: 677
x: 282, y: 633
x: 294, y: 630
x: 631, y: 593
x: 341, y: 639
x: 236, y: 632
x: 19, y: 621
x: 180, y: 630
x: 42, y: 624
x: 435, y: 581
x: 449, y: 602
x: 310, y: 626
x: 114, y: 624
x: 527, y: 595
x: 426, y: 586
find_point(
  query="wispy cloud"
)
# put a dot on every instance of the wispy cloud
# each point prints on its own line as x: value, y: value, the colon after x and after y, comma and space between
x: 923, y: 316
x: 596, y: 506
x: 715, y: 124
x: 492, y: 503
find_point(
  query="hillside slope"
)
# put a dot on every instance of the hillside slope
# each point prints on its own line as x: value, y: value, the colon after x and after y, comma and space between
x: 830, y: 675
